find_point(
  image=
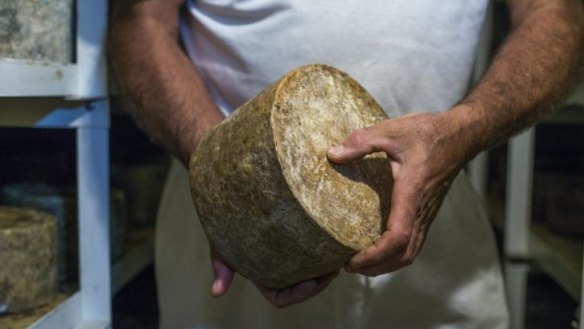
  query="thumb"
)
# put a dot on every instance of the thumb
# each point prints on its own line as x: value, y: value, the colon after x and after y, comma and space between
x: 357, y: 145
x: 223, y: 275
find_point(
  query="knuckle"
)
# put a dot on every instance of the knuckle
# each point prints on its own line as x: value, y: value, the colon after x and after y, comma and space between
x: 402, y: 240
x: 378, y: 257
x: 408, y: 259
x: 358, y: 136
x: 271, y: 297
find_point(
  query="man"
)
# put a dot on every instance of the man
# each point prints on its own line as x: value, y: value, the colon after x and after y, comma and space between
x: 411, y: 55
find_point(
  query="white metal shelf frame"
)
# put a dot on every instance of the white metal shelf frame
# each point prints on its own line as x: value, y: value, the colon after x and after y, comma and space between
x: 519, y: 241
x: 91, y: 306
x: 86, y: 80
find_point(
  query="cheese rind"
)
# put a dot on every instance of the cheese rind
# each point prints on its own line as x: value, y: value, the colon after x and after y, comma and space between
x: 269, y: 200
x: 28, y: 254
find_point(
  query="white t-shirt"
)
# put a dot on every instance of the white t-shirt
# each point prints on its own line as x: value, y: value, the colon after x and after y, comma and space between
x: 411, y: 55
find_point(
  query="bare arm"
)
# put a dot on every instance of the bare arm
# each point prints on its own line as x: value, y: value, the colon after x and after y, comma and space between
x: 532, y: 72
x: 170, y: 100
x: 172, y: 104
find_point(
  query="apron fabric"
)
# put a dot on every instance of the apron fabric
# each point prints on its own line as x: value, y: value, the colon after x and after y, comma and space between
x: 413, y: 55
x: 454, y: 283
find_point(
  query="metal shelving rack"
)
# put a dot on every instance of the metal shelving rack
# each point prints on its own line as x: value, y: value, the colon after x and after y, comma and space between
x: 77, y: 96
x: 90, y: 306
x: 559, y: 257
x: 529, y: 243
x: 525, y: 241
x: 85, y: 79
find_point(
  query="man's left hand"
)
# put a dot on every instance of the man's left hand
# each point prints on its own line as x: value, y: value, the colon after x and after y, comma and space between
x: 426, y: 153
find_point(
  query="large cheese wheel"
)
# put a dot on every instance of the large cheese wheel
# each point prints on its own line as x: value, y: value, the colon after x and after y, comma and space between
x: 268, y: 198
x: 28, y: 258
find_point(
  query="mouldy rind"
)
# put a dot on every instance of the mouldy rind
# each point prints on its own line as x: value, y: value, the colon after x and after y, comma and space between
x: 269, y: 200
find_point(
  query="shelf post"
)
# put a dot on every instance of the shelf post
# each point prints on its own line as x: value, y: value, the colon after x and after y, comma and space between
x: 91, y: 34
x: 94, y: 233
x: 518, y: 198
x: 517, y: 222
x: 580, y: 308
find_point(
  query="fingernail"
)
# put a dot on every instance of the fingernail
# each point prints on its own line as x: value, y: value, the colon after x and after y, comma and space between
x: 214, y: 288
x: 337, y: 150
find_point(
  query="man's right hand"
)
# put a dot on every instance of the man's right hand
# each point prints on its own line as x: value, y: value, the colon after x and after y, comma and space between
x: 296, y: 293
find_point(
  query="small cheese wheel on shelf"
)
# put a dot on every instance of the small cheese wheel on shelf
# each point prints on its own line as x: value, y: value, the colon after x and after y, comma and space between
x: 28, y: 258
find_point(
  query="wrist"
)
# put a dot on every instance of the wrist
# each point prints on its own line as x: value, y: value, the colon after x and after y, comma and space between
x: 186, y: 149
x: 195, y: 133
x: 470, y: 127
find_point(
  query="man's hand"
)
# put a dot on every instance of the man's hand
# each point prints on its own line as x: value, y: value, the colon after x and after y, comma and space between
x: 278, y: 297
x: 532, y: 72
x: 426, y: 153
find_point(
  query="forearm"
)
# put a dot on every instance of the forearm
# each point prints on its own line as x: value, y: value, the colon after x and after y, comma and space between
x: 531, y: 74
x: 169, y: 99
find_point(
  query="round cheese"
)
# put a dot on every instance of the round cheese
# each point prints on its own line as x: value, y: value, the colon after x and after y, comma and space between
x: 28, y: 254
x: 270, y: 201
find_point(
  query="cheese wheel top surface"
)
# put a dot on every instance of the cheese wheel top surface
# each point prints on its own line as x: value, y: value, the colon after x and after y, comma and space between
x: 317, y: 107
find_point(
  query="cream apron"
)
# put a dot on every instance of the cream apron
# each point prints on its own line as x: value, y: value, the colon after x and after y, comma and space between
x: 411, y: 55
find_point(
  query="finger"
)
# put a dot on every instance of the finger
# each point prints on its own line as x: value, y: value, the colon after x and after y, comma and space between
x: 303, y: 291
x: 223, y: 275
x: 295, y: 294
x: 396, y: 239
x: 392, y: 264
x: 299, y: 292
x: 387, y: 247
x: 288, y: 296
x: 358, y: 144
x: 322, y: 283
